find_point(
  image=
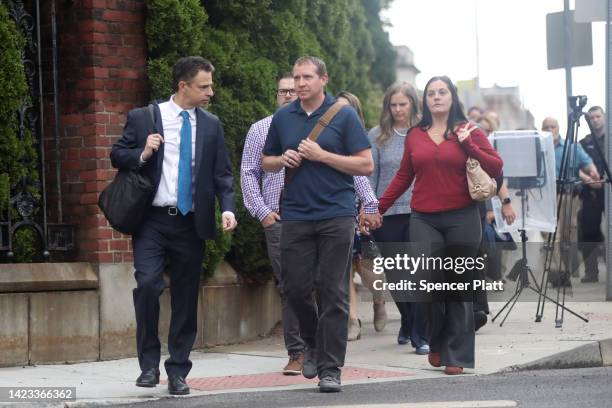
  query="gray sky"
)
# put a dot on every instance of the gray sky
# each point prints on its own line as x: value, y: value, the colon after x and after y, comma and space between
x: 512, y: 47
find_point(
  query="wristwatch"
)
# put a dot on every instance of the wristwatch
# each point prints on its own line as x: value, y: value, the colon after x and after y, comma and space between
x: 506, y: 201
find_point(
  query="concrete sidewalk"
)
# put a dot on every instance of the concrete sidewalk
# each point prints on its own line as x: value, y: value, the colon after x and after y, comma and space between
x: 519, y: 344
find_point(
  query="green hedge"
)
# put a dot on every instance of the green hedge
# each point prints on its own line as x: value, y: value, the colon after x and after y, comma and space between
x: 18, y: 157
x: 250, y: 42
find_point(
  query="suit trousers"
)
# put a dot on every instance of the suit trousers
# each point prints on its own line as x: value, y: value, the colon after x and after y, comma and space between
x: 167, y: 241
x: 316, y: 255
x: 450, y: 321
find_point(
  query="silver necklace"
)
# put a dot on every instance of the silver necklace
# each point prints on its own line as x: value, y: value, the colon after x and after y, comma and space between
x: 398, y: 132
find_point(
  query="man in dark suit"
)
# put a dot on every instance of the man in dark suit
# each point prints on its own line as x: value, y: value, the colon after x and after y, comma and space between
x: 186, y: 159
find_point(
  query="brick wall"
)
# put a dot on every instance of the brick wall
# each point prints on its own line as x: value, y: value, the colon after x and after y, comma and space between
x: 102, y: 58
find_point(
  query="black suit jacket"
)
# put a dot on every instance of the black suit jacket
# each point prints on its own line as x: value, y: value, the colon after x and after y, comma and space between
x: 213, y: 171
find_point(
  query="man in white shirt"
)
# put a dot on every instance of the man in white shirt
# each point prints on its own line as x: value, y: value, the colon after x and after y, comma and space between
x: 183, y: 152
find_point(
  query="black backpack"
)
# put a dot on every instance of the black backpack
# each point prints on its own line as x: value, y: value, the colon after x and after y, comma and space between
x: 125, y: 200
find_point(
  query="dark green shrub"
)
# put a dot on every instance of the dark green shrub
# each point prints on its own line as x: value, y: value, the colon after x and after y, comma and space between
x: 26, y: 245
x: 216, y: 249
x: 18, y: 156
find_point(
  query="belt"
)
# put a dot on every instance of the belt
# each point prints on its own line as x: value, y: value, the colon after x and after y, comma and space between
x: 170, y: 210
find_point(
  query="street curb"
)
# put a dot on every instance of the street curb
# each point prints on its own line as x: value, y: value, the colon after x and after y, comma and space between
x: 108, y: 402
x: 594, y: 354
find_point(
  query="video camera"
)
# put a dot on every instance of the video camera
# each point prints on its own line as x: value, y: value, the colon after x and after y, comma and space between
x: 577, y: 102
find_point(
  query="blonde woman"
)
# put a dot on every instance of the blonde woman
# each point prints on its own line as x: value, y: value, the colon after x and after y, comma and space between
x: 400, y: 112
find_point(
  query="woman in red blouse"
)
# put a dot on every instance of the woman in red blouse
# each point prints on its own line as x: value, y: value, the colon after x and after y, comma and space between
x: 444, y: 215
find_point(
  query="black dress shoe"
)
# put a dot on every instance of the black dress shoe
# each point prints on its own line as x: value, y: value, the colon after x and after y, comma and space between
x: 148, y: 378
x: 590, y: 279
x: 177, y: 385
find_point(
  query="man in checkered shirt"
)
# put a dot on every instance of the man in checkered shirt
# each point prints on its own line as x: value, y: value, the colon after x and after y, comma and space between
x: 261, y: 193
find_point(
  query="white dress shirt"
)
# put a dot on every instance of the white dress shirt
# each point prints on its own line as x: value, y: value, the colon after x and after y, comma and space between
x: 172, y: 122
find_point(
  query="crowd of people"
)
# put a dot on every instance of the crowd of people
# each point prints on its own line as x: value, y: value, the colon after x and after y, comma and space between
x: 324, y: 190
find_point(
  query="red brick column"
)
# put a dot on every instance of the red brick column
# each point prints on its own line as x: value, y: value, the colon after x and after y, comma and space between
x: 102, y: 60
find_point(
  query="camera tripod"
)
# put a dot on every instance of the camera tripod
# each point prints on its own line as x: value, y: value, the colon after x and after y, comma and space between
x: 567, y: 184
x: 521, y: 270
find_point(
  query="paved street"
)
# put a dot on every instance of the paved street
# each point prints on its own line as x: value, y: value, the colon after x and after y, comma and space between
x: 572, y: 388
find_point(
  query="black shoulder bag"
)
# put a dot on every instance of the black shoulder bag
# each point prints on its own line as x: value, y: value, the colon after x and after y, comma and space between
x: 125, y: 200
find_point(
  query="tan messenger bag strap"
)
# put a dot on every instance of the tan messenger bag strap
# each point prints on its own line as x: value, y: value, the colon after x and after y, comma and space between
x: 325, y: 120
x: 314, y: 134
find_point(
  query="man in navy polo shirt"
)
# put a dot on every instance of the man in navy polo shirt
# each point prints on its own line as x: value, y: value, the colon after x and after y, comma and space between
x: 318, y: 213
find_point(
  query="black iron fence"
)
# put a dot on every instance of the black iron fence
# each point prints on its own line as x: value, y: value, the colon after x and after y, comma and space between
x: 28, y: 205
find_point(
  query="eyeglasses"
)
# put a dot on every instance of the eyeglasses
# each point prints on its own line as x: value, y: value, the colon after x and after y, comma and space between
x: 286, y: 92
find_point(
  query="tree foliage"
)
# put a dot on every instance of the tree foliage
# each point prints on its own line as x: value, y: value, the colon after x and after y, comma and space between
x: 250, y: 42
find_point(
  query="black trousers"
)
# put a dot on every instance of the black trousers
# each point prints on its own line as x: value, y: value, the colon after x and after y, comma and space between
x: 589, y: 228
x: 167, y: 240
x: 291, y: 325
x: 316, y: 255
x: 396, y: 228
x: 450, y: 323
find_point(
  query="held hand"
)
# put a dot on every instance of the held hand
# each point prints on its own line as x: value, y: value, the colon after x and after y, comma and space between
x: 311, y: 150
x: 228, y: 220
x: 369, y: 221
x: 508, y: 213
x: 153, y: 142
x: 270, y: 219
x: 361, y: 223
x: 291, y: 158
x: 464, y: 132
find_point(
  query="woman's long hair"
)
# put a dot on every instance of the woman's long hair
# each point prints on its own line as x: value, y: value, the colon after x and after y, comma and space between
x: 354, y: 102
x: 386, y: 119
x: 455, y: 115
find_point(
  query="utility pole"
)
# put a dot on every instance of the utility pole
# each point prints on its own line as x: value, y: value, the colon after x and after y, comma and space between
x: 568, y: 52
x: 608, y: 205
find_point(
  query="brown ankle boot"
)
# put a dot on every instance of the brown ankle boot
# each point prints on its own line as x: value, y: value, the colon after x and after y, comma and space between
x: 380, y: 316
x: 434, y: 358
x: 450, y: 370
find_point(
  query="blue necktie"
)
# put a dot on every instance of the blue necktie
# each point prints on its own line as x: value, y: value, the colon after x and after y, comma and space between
x: 184, y: 197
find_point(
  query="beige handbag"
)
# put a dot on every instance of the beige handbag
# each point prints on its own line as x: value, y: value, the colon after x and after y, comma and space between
x: 481, y: 185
